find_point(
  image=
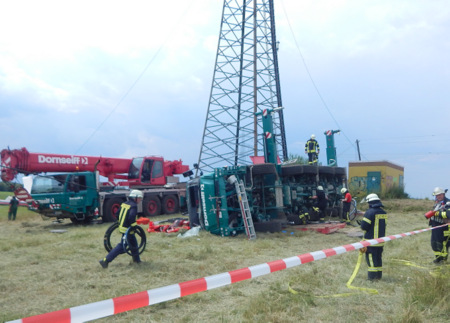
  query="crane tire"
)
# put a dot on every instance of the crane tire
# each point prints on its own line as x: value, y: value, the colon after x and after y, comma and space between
x: 170, y: 204
x: 151, y: 206
x: 112, y: 206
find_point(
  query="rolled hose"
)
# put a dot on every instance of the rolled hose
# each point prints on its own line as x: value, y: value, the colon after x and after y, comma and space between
x: 139, y: 233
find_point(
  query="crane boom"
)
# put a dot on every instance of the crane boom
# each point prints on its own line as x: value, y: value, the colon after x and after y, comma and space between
x: 135, y: 170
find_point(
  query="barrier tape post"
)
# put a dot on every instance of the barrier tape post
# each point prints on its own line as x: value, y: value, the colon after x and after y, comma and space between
x: 125, y: 303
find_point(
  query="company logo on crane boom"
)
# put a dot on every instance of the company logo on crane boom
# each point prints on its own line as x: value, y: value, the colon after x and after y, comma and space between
x: 72, y: 160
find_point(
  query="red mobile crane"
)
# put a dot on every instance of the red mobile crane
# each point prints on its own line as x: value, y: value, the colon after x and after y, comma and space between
x: 75, y: 191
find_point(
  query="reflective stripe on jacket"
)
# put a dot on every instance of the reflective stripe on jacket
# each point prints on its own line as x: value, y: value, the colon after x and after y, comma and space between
x: 374, y: 223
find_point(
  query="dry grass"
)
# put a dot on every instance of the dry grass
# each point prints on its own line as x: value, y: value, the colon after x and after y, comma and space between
x: 43, y: 271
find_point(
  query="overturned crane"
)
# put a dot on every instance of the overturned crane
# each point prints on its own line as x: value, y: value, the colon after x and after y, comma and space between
x: 276, y: 193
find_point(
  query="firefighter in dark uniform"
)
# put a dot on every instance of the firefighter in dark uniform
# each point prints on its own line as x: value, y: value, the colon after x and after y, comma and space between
x: 321, y: 202
x: 127, y: 218
x: 374, y: 226
x: 440, y: 236
x: 312, y: 149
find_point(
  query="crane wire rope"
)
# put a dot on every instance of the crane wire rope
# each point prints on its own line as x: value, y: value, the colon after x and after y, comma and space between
x: 311, y: 78
x: 150, y: 62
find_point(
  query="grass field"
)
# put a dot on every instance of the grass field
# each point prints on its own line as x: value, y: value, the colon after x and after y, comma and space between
x: 43, y: 271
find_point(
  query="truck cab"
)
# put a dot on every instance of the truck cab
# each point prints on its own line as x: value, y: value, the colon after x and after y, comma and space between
x: 67, y: 195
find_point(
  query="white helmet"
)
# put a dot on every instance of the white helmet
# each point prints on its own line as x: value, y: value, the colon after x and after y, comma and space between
x: 313, y: 136
x: 372, y: 197
x: 343, y: 190
x: 320, y: 188
x: 136, y: 194
x: 438, y: 190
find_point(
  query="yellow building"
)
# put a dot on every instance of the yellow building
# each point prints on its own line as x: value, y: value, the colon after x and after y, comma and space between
x: 374, y: 177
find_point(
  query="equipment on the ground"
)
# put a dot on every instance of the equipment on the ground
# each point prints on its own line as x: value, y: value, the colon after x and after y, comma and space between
x: 73, y: 188
x: 112, y: 237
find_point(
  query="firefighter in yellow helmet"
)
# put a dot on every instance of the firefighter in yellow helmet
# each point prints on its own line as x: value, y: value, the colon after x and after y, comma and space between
x: 374, y: 226
x: 312, y: 149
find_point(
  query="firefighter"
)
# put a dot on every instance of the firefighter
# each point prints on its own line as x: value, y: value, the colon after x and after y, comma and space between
x: 346, y: 203
x: 127, y: 219
x: 312, y: 149
x: 440, y: 236
x: 13, y: 204
x: 374, y: 226
x: 322, y: 202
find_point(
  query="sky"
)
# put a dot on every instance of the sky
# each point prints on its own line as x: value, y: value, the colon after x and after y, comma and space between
x: 128, y: 79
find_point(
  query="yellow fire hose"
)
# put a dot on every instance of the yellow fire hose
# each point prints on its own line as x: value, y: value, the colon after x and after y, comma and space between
x: 349, y: 283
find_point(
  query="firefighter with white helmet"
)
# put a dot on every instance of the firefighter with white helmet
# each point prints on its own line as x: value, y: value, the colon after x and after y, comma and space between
x: 312, y: 149
x: 374, y: 226
x: 127, y: 217
x: 439, y: 216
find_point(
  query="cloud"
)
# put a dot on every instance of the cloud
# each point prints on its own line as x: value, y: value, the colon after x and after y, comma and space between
x: 126, y: 79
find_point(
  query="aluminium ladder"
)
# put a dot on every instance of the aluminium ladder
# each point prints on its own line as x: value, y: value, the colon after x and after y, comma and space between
x: 245, y: 210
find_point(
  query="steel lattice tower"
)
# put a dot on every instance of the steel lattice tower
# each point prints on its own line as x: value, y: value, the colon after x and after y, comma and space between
x: 246, y: 80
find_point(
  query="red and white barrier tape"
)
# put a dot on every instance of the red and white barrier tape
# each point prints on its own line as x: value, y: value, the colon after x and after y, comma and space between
x: 125, y: 303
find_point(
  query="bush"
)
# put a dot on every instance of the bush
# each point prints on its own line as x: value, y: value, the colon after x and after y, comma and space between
x: 394, y: 192
x: 6, y: 187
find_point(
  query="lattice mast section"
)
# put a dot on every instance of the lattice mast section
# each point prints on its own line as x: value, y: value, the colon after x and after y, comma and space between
x: 246, y: 80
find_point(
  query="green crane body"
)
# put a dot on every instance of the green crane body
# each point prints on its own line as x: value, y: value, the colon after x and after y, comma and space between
x: 331, y: 148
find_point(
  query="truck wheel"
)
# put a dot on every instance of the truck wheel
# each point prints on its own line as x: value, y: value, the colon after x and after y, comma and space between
x: 326, y: 170
x: 151, y: 206
x: 112, y: 237
x: 170, y: 204
x: 291, y: 170
x: 111, y: 209
x: 262, y: 169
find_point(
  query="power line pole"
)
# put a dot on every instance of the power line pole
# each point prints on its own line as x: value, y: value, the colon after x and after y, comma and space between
x: 359, y: 153
x: 246, y: 81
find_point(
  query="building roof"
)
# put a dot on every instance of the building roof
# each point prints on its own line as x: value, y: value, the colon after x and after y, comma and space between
x: 384, y: 163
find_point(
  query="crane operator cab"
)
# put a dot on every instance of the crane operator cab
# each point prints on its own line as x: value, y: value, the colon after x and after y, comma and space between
x: 147, y: 171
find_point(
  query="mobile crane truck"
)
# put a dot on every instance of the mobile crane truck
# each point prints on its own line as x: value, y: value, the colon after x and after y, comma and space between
x: 72, y: 188
x: 266, y: 196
